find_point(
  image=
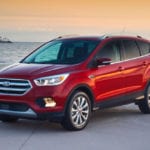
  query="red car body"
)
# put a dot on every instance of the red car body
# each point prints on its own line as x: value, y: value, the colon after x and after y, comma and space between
x: 108, y: 85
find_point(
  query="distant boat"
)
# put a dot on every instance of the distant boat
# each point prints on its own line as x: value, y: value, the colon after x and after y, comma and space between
x: 4, y: 40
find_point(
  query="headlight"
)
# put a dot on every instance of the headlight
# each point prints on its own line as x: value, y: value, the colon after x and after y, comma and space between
x: 51, y: 80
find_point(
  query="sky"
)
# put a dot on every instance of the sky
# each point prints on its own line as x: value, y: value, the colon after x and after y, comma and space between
x: 42, y: 20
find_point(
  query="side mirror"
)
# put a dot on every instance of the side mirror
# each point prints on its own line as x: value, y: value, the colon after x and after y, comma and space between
x: 103, y: 61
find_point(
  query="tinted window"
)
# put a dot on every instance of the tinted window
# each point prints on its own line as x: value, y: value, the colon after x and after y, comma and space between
x: 144, y: 47
x: 131, y: 49
x: 62, y: 52
x: 111, y: 50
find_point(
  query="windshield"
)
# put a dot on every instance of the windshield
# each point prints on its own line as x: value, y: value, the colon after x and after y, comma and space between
x: 62, y: 52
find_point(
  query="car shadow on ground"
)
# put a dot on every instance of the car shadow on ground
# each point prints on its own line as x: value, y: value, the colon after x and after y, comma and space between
x: 98, y: 118
x: 116, y: 112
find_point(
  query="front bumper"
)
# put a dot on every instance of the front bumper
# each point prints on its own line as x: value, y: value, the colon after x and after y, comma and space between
x: 26, y: 114
x: 20, y: 110
x: 33, y: 109
x: 23, y: 110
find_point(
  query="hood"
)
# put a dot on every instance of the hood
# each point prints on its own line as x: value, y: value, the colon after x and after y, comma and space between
x: 38, y: 70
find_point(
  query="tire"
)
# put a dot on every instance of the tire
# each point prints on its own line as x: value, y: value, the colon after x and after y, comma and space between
x: 78, y: 112
x: 144, y: 105
x: 5, y: 118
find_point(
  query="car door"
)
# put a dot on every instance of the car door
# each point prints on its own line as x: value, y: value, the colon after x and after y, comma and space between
x: 133, y: 67
x: 108, y: 78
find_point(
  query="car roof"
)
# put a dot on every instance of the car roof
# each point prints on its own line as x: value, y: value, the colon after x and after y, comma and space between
x: 100, y: 38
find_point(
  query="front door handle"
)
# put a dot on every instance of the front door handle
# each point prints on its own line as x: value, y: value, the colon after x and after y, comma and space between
x: 144, y: 63
x: 121, y: 68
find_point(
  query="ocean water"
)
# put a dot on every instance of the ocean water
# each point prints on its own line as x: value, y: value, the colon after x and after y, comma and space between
x: 14, y: 52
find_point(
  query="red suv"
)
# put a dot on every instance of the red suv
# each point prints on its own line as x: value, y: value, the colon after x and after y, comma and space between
x: 67, y: 78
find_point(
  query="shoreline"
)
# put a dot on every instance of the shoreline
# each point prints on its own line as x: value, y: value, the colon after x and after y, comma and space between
x: 6, y: 42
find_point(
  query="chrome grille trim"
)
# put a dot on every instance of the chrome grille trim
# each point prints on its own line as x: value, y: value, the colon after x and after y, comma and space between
x: 16, y: 87
x: 16, y: 84
x: 13, y: 89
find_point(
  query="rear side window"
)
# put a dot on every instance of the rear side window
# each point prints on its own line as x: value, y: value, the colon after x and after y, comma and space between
x: 110, y: 50
x: 131, y: 49
x: 144, y: 47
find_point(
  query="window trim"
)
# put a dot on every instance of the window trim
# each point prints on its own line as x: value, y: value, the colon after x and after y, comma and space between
x: 132, y: 59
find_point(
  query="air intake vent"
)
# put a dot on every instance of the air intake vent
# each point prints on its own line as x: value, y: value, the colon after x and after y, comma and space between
x: 14, y: 86
x: 13, y: 106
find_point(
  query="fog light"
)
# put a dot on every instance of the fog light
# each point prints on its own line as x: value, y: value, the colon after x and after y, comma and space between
x: 49, y: 102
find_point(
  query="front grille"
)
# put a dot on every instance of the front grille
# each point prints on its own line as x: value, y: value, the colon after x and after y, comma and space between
x: 14, y: 86
x: 13, y: 106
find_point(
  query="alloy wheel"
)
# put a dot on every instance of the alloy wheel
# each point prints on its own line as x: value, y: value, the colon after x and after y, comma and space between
x: 80, y: 111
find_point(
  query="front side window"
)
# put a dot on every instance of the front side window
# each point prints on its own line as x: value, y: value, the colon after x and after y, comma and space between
x: 62, y: 52
x: 144, y: 47
x: 130, y: 49
x: 110, y: 50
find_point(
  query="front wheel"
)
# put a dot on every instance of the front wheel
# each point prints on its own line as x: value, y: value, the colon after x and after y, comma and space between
x: 144, y: 105
x: 78, y: 112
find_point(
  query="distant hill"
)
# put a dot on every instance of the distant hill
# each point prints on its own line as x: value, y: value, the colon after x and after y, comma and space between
x: 4, y: 40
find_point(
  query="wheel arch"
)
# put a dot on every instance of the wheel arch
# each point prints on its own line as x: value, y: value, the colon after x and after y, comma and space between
x: 146, y: 76
x: 146, y: 85
x: 84, y: 88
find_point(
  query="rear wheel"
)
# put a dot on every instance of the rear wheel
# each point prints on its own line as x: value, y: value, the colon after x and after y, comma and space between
x: 5, y: 118
x: 78, y: 112
x: 144, y: 105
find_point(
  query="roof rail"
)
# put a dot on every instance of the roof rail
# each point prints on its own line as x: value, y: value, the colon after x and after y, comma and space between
x: 105, y: 36
x: 67, y: 36
x: 138, y: 36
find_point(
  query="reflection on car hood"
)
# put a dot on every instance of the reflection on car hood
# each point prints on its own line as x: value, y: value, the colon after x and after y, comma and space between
x: 21, y: 69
